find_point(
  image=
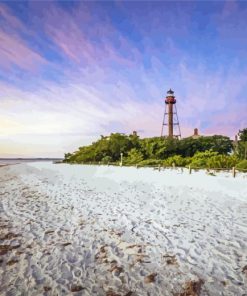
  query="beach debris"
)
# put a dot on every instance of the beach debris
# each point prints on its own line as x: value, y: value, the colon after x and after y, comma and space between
x: 115, y: 269
x: 18, y: 253
x: 192, y: 288
x: 132, y: 229
x: 66, y: 244
x: 4, y: 226
x: 117, y: 233
x: 102, y: 249
x: 82, y: 222
x: 244, y: 270
x: 170, y: 260
x: 4, y: 249
x: 133, y: 246
x: 102, y: 254
x: 49, y: 231
x: 24, y: 188
x: 140, y: 259
x: 138, y: 248
x: 150, y: 278
x: 9, y: 235
x: 12, y: 262
x: 46, y: 288
x: 76, y: 288
x: 111, y: 293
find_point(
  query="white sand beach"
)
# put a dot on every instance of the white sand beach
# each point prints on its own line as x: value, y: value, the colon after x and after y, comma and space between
x: 117, y: 231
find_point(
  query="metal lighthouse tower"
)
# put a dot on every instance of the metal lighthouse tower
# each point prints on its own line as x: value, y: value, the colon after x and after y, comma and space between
x: 171, y: 117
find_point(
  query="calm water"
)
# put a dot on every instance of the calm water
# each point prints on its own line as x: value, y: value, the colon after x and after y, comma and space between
x: 21, y: 160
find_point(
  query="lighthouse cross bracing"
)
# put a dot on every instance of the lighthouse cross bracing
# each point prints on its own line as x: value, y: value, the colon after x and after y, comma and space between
x: 170, y: 118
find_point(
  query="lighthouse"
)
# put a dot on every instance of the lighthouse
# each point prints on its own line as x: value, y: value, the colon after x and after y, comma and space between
x: 170, y: 118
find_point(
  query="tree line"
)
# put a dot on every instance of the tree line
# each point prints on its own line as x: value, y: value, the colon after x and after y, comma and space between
x: 205, y: 151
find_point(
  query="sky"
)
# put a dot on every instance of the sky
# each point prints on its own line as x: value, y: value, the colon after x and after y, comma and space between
x: 71, y: 71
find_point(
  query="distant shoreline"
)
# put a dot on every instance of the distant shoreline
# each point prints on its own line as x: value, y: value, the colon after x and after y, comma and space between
x: 8, y: 161
x: 32, y: 158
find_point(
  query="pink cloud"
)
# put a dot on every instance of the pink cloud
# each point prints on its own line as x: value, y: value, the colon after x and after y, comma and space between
x: 79, y: 36
x: 13, y: 51
x: 84, y: 40
x: 229, y: 121
x: 67, y: 35
x: 11, y: 20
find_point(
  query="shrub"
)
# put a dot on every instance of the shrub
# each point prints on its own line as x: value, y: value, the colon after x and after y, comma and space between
x: 134, y: 156
x: 150, y: 162
x: 106, y: 159
x: 200, y: 159
x: 177, y: 160
x: 222, y: 161
x: 242, y: 165
x: 198, y: 163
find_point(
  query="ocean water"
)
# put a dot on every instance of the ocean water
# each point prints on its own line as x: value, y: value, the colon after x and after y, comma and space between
x: 21, y: 160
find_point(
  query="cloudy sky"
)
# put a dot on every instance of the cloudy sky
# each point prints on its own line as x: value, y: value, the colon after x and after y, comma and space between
x: 72, y: 71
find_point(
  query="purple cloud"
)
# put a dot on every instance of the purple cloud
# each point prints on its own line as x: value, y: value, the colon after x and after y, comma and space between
x: 96, y: 73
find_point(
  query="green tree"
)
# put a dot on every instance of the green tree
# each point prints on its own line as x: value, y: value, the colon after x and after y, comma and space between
x: 118, y: 143
x: 242, y: 165
x: 106, y: 159
x: 243, y: 135
x: 200, y: 159
x: 242, y: 144
x: 154, y: 149
x: 177, y: 160
x: 67, y: 157
x: 222, y: 161
x: 189, y: 146
x: 134, y: 156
